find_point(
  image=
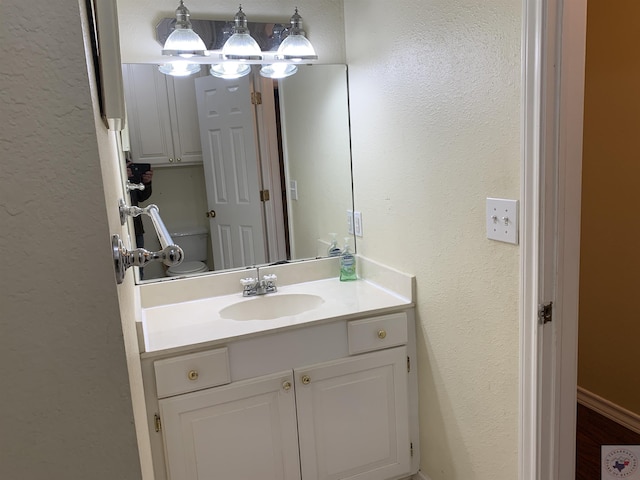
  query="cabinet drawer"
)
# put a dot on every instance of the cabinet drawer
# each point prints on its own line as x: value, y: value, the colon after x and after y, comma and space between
x: 192, y: 372
x: 377, y: 333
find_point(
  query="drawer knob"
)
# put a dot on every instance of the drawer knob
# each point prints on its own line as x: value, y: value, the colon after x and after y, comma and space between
x: 382, y: 334
x: 306, y: 379
x: 286, y: 385
x: 193, y: 375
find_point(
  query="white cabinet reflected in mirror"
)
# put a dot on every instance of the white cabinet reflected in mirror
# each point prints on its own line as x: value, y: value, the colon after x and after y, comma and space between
x: 245, y: 172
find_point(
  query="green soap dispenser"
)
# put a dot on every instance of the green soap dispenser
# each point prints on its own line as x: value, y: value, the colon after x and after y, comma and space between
x: 347, y: 263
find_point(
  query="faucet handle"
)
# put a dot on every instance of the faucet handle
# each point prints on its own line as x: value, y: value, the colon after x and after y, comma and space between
x: 247, y: 282
x: 271, y: 277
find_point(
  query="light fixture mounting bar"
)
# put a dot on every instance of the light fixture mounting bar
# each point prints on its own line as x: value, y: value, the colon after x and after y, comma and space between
x: 215, y: 33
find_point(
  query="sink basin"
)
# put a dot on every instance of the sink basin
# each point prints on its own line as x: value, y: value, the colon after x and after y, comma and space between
x: 268, y: 307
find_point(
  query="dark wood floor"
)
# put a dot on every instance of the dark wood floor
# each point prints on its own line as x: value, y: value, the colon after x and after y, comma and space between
x: 593, y: 431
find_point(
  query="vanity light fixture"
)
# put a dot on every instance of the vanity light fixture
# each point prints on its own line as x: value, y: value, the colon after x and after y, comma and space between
x: 278, y: 70
x: 179, y: 68
x: 230, y: 70
x: 241, y: 45
x: 182, y: 42
x: 296, y: 46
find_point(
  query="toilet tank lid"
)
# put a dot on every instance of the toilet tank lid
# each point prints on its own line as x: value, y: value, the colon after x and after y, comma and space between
x: 186, y: 231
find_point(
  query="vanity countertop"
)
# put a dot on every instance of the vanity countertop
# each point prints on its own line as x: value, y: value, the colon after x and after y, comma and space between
x: 176, y: 325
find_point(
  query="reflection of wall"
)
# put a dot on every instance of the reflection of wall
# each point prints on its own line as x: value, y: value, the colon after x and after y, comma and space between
x: 65, y: 390
x: 317, y: 151
x: 180, y: 194
x: 610, y: 243
x: 435, y: 130
x: 323, y: 22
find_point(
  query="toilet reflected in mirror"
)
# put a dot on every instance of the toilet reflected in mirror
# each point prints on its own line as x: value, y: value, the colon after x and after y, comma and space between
x: 193, y: 242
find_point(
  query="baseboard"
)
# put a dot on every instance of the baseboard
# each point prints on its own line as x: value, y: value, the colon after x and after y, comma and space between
x: 421, y: 476
x: 609, y: 409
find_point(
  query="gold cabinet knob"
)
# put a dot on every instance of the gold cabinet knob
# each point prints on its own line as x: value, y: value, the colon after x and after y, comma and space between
x: 286, y: 385
x: 306, y: 379
x: 192, y: 375
x: 382, y: 334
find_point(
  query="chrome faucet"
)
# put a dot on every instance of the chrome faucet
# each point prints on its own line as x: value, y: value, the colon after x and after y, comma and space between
x: 255, y: 286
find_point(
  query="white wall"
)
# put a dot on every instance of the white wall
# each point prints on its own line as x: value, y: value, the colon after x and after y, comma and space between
x: 65, y: 390
x: 435, y: 130
x: 316, y: 144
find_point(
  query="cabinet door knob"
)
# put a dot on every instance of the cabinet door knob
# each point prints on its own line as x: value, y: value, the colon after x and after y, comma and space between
x: 171, y: 160
x: 306, y: 379
x: 193, y: 375
x: 211, y: 214
x: 382, y: 334
x: 178, y: 159
x: 286, y: 385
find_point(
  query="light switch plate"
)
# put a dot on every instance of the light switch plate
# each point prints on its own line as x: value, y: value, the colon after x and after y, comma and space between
x: 357, y: 223
x: 293, y: 189
x: 502, y: 220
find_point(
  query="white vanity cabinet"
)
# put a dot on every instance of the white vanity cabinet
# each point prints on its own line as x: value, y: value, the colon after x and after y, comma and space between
x: 305, y: 404
x: 162, y: 117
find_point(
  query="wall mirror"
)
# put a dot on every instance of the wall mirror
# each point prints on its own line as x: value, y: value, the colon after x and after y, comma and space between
x: 246, y: 172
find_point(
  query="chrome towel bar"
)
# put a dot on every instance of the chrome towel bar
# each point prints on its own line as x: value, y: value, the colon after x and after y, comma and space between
x: 171, y: 254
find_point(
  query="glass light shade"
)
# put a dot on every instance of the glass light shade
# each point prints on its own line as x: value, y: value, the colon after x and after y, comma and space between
x: 183, y: 41
x: 179, y: 69
x: 278, y: 70
x: 230, y: 70
x: 296, y: 47
x: 241, y: 45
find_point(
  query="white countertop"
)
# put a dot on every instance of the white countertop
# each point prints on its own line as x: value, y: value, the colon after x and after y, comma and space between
x: 198, y: 321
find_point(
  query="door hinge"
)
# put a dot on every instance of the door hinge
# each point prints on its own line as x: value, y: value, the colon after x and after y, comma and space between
x: 545, y: 312
x: 157, y: 422
x: 256, y: 98
x: 264, y: 195
x: 408, y: 364
x: 411, y: 448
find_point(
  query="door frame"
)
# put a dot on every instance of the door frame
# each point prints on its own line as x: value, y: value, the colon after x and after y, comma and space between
x: 553, y: 60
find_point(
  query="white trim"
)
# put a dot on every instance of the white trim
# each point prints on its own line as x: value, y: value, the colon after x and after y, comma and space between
x: 532, y: 40
x: 570, y: 131
x: 553, y: 81
x: 608, y: 409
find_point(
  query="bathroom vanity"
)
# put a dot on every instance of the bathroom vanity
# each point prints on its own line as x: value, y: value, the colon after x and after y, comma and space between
x: 314, y: 381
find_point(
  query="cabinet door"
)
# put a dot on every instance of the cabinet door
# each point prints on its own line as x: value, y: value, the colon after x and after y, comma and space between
x: 353, y: 417
x: 244, y: 430
x: 148, y: 114
x: 184, y: 118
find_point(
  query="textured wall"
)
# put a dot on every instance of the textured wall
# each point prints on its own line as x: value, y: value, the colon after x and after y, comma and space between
x: 322, y: 20
x: 65, y: 392
x: 610, y: 237
x: 435, y: 130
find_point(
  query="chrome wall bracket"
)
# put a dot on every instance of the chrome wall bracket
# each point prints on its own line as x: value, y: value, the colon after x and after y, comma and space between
x: 171, y: 254
x: 139, y: 257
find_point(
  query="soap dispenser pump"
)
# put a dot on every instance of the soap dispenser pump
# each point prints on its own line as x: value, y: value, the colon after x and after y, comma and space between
x: 334, y: 249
